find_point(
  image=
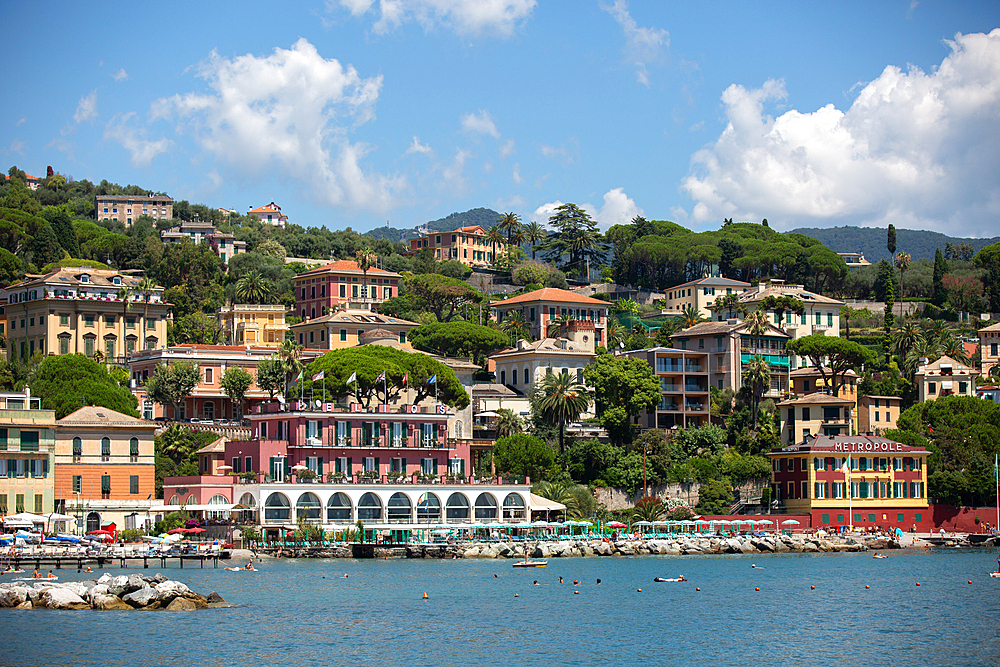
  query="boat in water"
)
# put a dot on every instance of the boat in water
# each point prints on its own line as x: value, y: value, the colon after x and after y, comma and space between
x: 527, y: 562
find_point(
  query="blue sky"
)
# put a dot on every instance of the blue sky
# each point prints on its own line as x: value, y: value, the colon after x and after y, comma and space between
x: 358, y: 112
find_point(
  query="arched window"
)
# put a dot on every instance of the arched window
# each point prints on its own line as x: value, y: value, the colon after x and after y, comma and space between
x: 428, y: 509
x: 133, y: 450
x: 513, y: 376
x: 218, y: 499
x: 369, y: 508
x: 277, y: 508
x: 192, y: 500
x: 513, y: 507
x: 77, y: 449
x: 247, y: 500
x: 307, y: 506
x: 338, y: 508
x: 486, y: 507
x: 458, y: 428
x: 398, y: 508
x: 93, y: 521
x: 503, y: 377
x: 105, y: 449
x: 527, y: 377
x: 457, y: 508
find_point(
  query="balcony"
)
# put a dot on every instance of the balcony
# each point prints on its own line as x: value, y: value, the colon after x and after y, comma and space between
x: 694, y: 407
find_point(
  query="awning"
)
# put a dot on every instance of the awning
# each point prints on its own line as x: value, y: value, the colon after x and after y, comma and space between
x: 24, y: 517
x: 947, y: 385
x: 190, y: 508
x: 539, y: 504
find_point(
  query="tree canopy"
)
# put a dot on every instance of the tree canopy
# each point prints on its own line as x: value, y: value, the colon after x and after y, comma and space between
x: 833, y: 356
x: 522, y: 455
x: 68, y: 382
x: 623, y: 389
x: 458, y: 339
x: 443, y: 296
x: 171, y: 384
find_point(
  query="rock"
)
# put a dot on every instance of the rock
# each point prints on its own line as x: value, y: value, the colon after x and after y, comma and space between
x: 105, y: 579
x: 181, y: 604
x: 214, y: 598
x: 168, y: 590
x: 63, y: 598
x: 159, y: 578
x: 25, y: 605
x: 78, y: 588
x: 12, y: 597
x: 118, y: 586
x: 105, y: 602
x: 99, y: 589
x: 471, y: 553
x: 135, y: 582
x: 810, y: 547
x: 142, y: 597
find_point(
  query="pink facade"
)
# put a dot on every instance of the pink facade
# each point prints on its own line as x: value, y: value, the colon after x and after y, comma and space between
x: 329, y: 287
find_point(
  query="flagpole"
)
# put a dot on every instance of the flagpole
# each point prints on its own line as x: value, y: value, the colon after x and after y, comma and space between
x: 850, y: 496
x: 996, y: 474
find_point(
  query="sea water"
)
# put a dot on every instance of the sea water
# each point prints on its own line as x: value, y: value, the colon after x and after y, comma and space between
x: 303, y: 612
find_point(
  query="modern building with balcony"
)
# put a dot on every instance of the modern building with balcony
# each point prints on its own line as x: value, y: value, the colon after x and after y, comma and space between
x: 944, y: 377
x: 225, y: 245
x: 467, y: 245
x: 79, y: 310
x: 257, y: 325
x: 544, y: 305
x: 342, y: 284
x: 27, y: 448
x: 104, y: 468
x: 730, y: 348
x: 126, y: 208
x: 683, y: 375
x: 269, y: 214
x: 885, y: 486
x: 815, y: 414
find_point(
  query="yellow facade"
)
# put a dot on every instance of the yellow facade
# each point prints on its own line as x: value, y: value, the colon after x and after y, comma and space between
x: 253, y: 324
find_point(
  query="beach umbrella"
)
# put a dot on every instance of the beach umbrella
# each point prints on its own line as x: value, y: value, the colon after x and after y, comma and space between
x: 616, y: 524
x: 194, y: 530
x: 175, y: 530
x: 790, y: 522
x: 300, y: 467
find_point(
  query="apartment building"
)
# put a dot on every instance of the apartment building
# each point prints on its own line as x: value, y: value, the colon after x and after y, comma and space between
x: 989, y: 350
x: 683, y: 376
x: 342, y: 283
x: 257, y: 325
x: 468, y: 245
x: 944, y: 377
x: 348, y: 328
x: 269, y: 214
x: 542, y: 306
x: 877, y: 414
x: 701, y: 294
x: 78, y: 310
x: 815, y: 414
x: 27, y: 446
x: 104, y: 467
x: 126, y: 208
x: 731, y: 347
x: 808, y: 380
x: 225, y: 245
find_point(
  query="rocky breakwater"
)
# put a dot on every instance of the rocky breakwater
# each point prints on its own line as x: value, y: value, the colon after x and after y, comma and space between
x: 666, y: 547
x: 107, y: 593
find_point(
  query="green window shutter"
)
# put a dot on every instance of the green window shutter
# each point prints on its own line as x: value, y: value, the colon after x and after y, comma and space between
x: 319, y: 466
x: 435, y: 466
x: 105, y: 483
x: 376, y: 464
x: 45, y: 467
x: 133, y: 482
x: 461, y: 466
x: 350, y: 466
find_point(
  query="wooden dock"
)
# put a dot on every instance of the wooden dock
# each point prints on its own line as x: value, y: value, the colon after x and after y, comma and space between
x: 47, y: 561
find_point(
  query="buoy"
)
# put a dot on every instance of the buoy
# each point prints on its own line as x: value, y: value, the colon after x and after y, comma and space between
x: 516, y: 595
x: 576, y: 592
x: 425, y: 595
x: 918, y: 583
x: 867, y: 586
x: 812, y: 588
x: 639, y: 590
x: 756, y: 589
x: 697, y: 589
x: 970, y: 581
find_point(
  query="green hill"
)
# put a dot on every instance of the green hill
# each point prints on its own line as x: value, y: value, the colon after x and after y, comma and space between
x: 871, y: 241
x: 478, y: 216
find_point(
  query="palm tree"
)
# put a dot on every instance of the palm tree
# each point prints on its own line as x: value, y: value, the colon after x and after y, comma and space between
x: 508, y: 222
x: 562, y: 400
x: 648, y: 509
x: 516, y: 238
x: 494, y: 236
x: 583, y: 242
x: 556, y: 324
x: 905, y: 338
x: 558, y: 492
x: 757, y: 376
x: 291, y: 360
x: 534, y: 234
x: 616, y: 333
x: 691, y: 316
x: 924, y: 348
x: 508, y: 423
x: 756, y: 323
x: 252, y: 288
x: 953, y: 348
x: 146, y: 287
x: 902, y: 263
x: 124, y: 293
x: 515, y: 325
x: 729, y: 303
x: 366, y: 258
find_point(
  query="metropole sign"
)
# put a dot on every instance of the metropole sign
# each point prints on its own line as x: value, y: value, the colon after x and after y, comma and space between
x: 869, y: 447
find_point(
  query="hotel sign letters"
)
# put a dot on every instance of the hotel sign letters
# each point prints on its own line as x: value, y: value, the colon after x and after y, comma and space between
x: 868, y: 447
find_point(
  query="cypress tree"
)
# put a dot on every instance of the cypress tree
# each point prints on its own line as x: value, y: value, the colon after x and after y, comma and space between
x: 940, y: 268
x: 890, y: 241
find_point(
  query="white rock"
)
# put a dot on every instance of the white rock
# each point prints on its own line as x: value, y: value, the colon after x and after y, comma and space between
x: 62, y: 598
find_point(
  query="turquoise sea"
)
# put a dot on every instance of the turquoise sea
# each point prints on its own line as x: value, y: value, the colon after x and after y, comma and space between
x: 304, y: 613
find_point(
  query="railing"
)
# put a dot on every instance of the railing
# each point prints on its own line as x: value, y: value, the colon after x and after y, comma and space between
x: 721, y: 368
x: 695, y: 388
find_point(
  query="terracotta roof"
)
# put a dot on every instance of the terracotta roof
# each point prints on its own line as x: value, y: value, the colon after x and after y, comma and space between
x: 553, y: 294
x: 711, y: 281
x: 214, y: 447
x: 798, y: 291
x: 710, y: 328
x: 93, y: 415
x: 363, y: 318
x: 935, y: 366
x: 547, y: 345
x: 345, y: 266
x: 859, y: 444
x: 991, y: 328
x: 818, y: 399
x: 266, y: 208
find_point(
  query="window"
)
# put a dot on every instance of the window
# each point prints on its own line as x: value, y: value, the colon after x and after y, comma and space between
x: 63, y: 344
x: 133, y: 484
x: 527, y: 376
x: 105, y: 484
x: 77, y: 484
x: 805, y: 414
x: 133, y: 450
x: 77, y: 449
x: 932, y: 387
x: 88, y: 320
x: 88, y: 343
x: 877, y: 416
x: 64, y: 320
x: 105, y: 449
x: 29, y: 441
x: 963, y: 387
x: 343, y: 335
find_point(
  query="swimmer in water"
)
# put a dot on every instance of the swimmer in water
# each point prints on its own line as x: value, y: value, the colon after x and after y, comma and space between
x: 535, y: 583
x: 560, y: 580
x: 662, y: 580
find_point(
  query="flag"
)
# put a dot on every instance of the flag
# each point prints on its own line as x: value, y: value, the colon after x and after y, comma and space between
x: 381, y: 377
x: 847, y: 465
x: 432, y: 379
x: 406, y: 378
x: 319, y: 376
x: 297, y: 380
x: 353, y: 379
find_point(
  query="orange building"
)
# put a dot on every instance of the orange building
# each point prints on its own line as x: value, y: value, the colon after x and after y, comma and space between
x: 104, y: 467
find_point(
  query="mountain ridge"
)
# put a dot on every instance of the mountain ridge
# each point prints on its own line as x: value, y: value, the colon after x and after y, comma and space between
x: 870, y: 241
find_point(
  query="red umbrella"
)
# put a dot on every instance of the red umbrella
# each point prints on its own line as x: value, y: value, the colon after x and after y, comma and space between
x: 100, y: 532
x: 617, y: 524
x: 177, y: 530
x: 194, y: 530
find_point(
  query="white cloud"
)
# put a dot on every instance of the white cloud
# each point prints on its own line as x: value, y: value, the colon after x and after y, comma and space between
x: 290, y: 111
x: 480, y: 123
x: 87, y: 107
x: 133, y: 139
x: 22, y: 121
x: 507, y: 149
x: 914, y: 149
x: 465, y: 17
x: 618, y: 209
x: 562, y: 153
x: 16, y: 147
x: 643, y: 46
x: 417, y: 147
x: 453, y: 175
x: 516, y: 173
x: 120, y: 75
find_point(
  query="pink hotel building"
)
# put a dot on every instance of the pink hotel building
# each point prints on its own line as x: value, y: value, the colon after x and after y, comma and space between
x: 333, y: 286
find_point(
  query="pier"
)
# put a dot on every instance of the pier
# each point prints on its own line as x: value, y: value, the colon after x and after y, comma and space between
x: 58, y: 562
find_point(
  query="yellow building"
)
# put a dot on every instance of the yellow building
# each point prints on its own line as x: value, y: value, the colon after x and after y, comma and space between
x: 348, y: 328
x: 82, y: 311
x: 253, y: 324
x: 876, y: 414
x: 944, y: 377
x: 989, y: 350
x: 808, y: 380
x: 27, y: 445
x: 815, y: 414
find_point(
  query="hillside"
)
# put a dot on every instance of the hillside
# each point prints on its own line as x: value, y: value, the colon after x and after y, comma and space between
x: 478, y: 216
x: 871, y: 241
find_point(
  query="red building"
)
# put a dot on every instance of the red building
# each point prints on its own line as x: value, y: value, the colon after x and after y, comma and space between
x: 339, y: 284
x: 862, y: 481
